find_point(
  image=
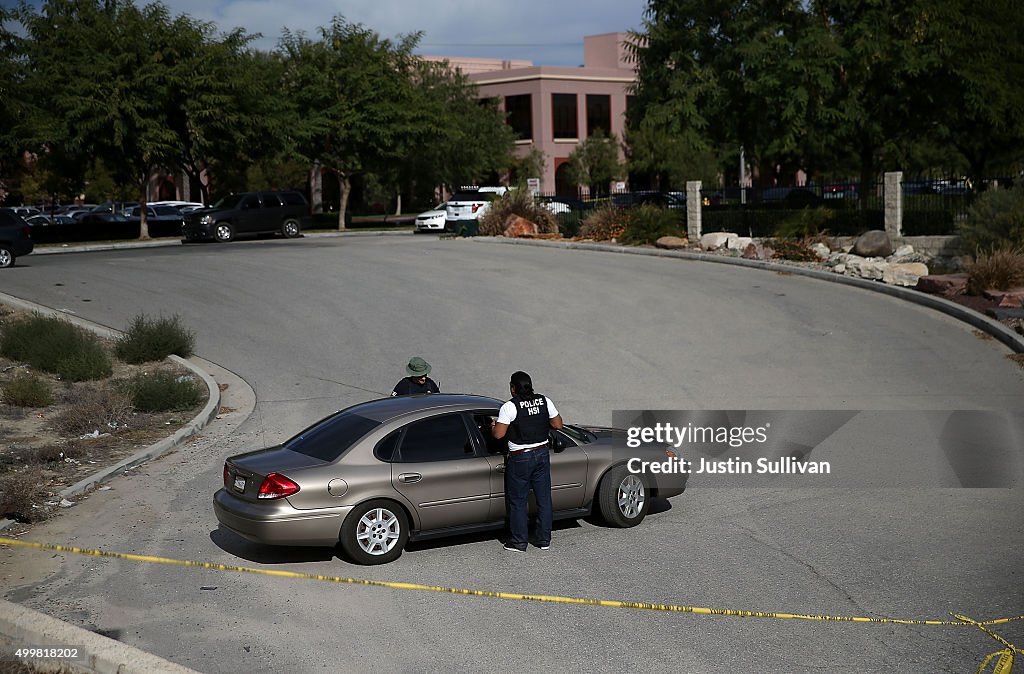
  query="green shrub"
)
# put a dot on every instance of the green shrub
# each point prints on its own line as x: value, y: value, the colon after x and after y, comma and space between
x: 604, y: 223
x: 153, y: 339
x: 995, y: 220
x: 517, y: 202
x: 796, y: 250
x: 26, y: 390
x: 54, y: 345
x: 648, y: 223
x: 805, y: 223
x: 1000, y: 269
x: 569, y: 223
x: 102, y: 408
x: 163, y: 392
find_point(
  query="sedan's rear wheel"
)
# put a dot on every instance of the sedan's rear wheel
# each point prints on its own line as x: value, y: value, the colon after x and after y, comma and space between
x: 623, y: 497
x: 375, y: 533
x: 223, y: 232
x: 290, y: 229
x: 6, y: 257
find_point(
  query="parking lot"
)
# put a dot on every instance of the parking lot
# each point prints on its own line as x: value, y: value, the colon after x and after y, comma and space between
x: 313, y: 325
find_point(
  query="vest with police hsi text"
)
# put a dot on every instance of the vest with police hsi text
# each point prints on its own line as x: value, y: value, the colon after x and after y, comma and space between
x: 531, y: 423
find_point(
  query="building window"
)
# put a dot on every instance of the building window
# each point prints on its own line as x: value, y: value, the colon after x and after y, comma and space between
x: 599, y: 114
x: 564, y: 117
x: 519, y: 116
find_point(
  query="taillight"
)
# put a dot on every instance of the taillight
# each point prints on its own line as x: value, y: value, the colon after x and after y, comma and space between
x: 27, y: 231
x: 225, y: 474
x: 276, y: 485
x: 476, y: 207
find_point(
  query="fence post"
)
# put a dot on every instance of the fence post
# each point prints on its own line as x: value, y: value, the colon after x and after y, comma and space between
x: 693, y: 210
x: 892, y: 196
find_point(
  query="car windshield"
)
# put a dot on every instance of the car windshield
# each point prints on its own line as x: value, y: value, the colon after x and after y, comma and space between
x: 330, y: 438
x: 229, y: 201
x: 466, y: 196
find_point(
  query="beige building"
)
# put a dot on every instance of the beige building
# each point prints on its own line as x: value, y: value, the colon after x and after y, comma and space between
x: 554, y: 108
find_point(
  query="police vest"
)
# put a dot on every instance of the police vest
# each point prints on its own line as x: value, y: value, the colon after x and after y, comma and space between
x: 531, y: 423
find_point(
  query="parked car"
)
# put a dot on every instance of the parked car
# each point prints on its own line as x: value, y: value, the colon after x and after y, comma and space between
x: 180, y: 205
x: 559, y: 205
x: 381, y: 473
x: 158, y: 213
x: 793, y: 197
x: 249, y: 213
x: 15, y: 238
x: 839, y: 191
x: 661, y: 199
x: 22, y: 211
x: 466, y: 207
x: 432, y: 220
x: 99, y: 218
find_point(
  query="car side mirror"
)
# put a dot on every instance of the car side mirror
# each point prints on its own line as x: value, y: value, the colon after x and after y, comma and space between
x: 558, y: 442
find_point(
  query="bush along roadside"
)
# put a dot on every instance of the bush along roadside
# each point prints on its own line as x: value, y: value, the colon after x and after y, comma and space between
x: 59, y: 425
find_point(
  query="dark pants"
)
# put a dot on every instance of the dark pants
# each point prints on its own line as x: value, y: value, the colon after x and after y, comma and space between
x: 524, y: 471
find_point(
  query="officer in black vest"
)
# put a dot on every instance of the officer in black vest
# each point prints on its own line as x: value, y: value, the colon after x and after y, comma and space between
x: 525, y: 420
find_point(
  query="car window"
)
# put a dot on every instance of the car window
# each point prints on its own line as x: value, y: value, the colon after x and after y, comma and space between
x: 465, y: 196
x: 251, y: 201
x: 385, y: 449
x: 270, y: 200
x: 292, y: 198
x: 230, y: 201
x: 482, y: 421
x: 166, y: 210
x: 331, y: 437
x: 440, y: 438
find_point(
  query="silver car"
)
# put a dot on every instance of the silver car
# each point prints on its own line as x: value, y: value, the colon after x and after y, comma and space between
x: 381, y: 473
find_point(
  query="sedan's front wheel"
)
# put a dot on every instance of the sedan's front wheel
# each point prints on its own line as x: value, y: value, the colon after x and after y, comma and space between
x: 375, y: 533
x: 6, y: 257
x: 623, y: 497
x: 223, y: 232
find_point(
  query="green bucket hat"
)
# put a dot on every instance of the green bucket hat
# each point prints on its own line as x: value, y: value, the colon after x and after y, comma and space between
x: 417, y: 367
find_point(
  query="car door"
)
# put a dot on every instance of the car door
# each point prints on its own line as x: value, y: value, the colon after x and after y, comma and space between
x: 272, y: 213
x: 249, y: 213
x: 568, y: 469
x: 436, y: 466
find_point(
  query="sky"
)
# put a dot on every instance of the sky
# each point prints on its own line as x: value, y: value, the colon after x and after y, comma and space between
x: 547, y: 32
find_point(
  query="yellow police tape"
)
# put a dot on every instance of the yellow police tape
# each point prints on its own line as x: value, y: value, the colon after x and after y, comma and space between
x: 1004, y: 665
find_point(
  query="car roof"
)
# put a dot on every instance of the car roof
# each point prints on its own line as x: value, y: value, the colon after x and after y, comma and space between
x: 388, y: 408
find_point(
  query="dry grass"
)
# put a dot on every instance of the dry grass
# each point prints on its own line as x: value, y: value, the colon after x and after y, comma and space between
x: 1000, y: 269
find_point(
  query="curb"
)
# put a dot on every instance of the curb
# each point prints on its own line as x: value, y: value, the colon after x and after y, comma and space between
x: 22, y: 627
x: 1007, y: 337
x: 166, y: 243
x: 205, y: 416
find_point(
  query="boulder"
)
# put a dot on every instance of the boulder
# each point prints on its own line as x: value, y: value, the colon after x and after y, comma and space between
x: 520, y: 226
x: 715, y: 240
x: 840, y: 268
x: 943, y: 284
x: 904, y: 250
x: 853, y: 263
x: 821, y: 250
x: 875, y: 243
x: 757, y: 251
x: 904, y: 273
x: 671, y: 243
x: 739, y: 243
x: 873, y: 270
x: 1012, y: 298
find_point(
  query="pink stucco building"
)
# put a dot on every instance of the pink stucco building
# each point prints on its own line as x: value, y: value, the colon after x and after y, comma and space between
x: 554, y: 108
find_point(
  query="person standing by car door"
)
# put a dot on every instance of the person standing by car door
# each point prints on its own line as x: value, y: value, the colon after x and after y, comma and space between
x: 416, y: 379
x: 526, y: 419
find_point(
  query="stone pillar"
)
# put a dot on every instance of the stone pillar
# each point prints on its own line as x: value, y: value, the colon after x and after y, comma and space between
x: 693, y: 210
x: 316, y: 188
x: 892, y: 197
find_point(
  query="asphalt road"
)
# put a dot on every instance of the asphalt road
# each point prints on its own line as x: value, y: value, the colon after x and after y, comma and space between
x: 316, y: 324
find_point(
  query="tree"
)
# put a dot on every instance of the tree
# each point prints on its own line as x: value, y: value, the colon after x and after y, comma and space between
x: 353, y: 94
x: 595, y: 163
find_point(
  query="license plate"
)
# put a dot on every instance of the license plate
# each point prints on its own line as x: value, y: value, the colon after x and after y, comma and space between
x: 239, y: 483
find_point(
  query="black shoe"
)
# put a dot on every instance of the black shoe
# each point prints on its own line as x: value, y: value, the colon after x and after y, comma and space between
x: 511, y: 547
x: 542, y: 546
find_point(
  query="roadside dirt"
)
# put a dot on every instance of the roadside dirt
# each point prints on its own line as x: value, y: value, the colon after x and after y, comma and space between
x: 40, y: 455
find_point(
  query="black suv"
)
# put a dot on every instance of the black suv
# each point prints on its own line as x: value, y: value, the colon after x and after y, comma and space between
x: 249, y: 213
x: 15, y: 238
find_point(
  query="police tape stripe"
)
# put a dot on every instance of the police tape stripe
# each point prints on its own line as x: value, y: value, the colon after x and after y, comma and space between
x: 673, y: 608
